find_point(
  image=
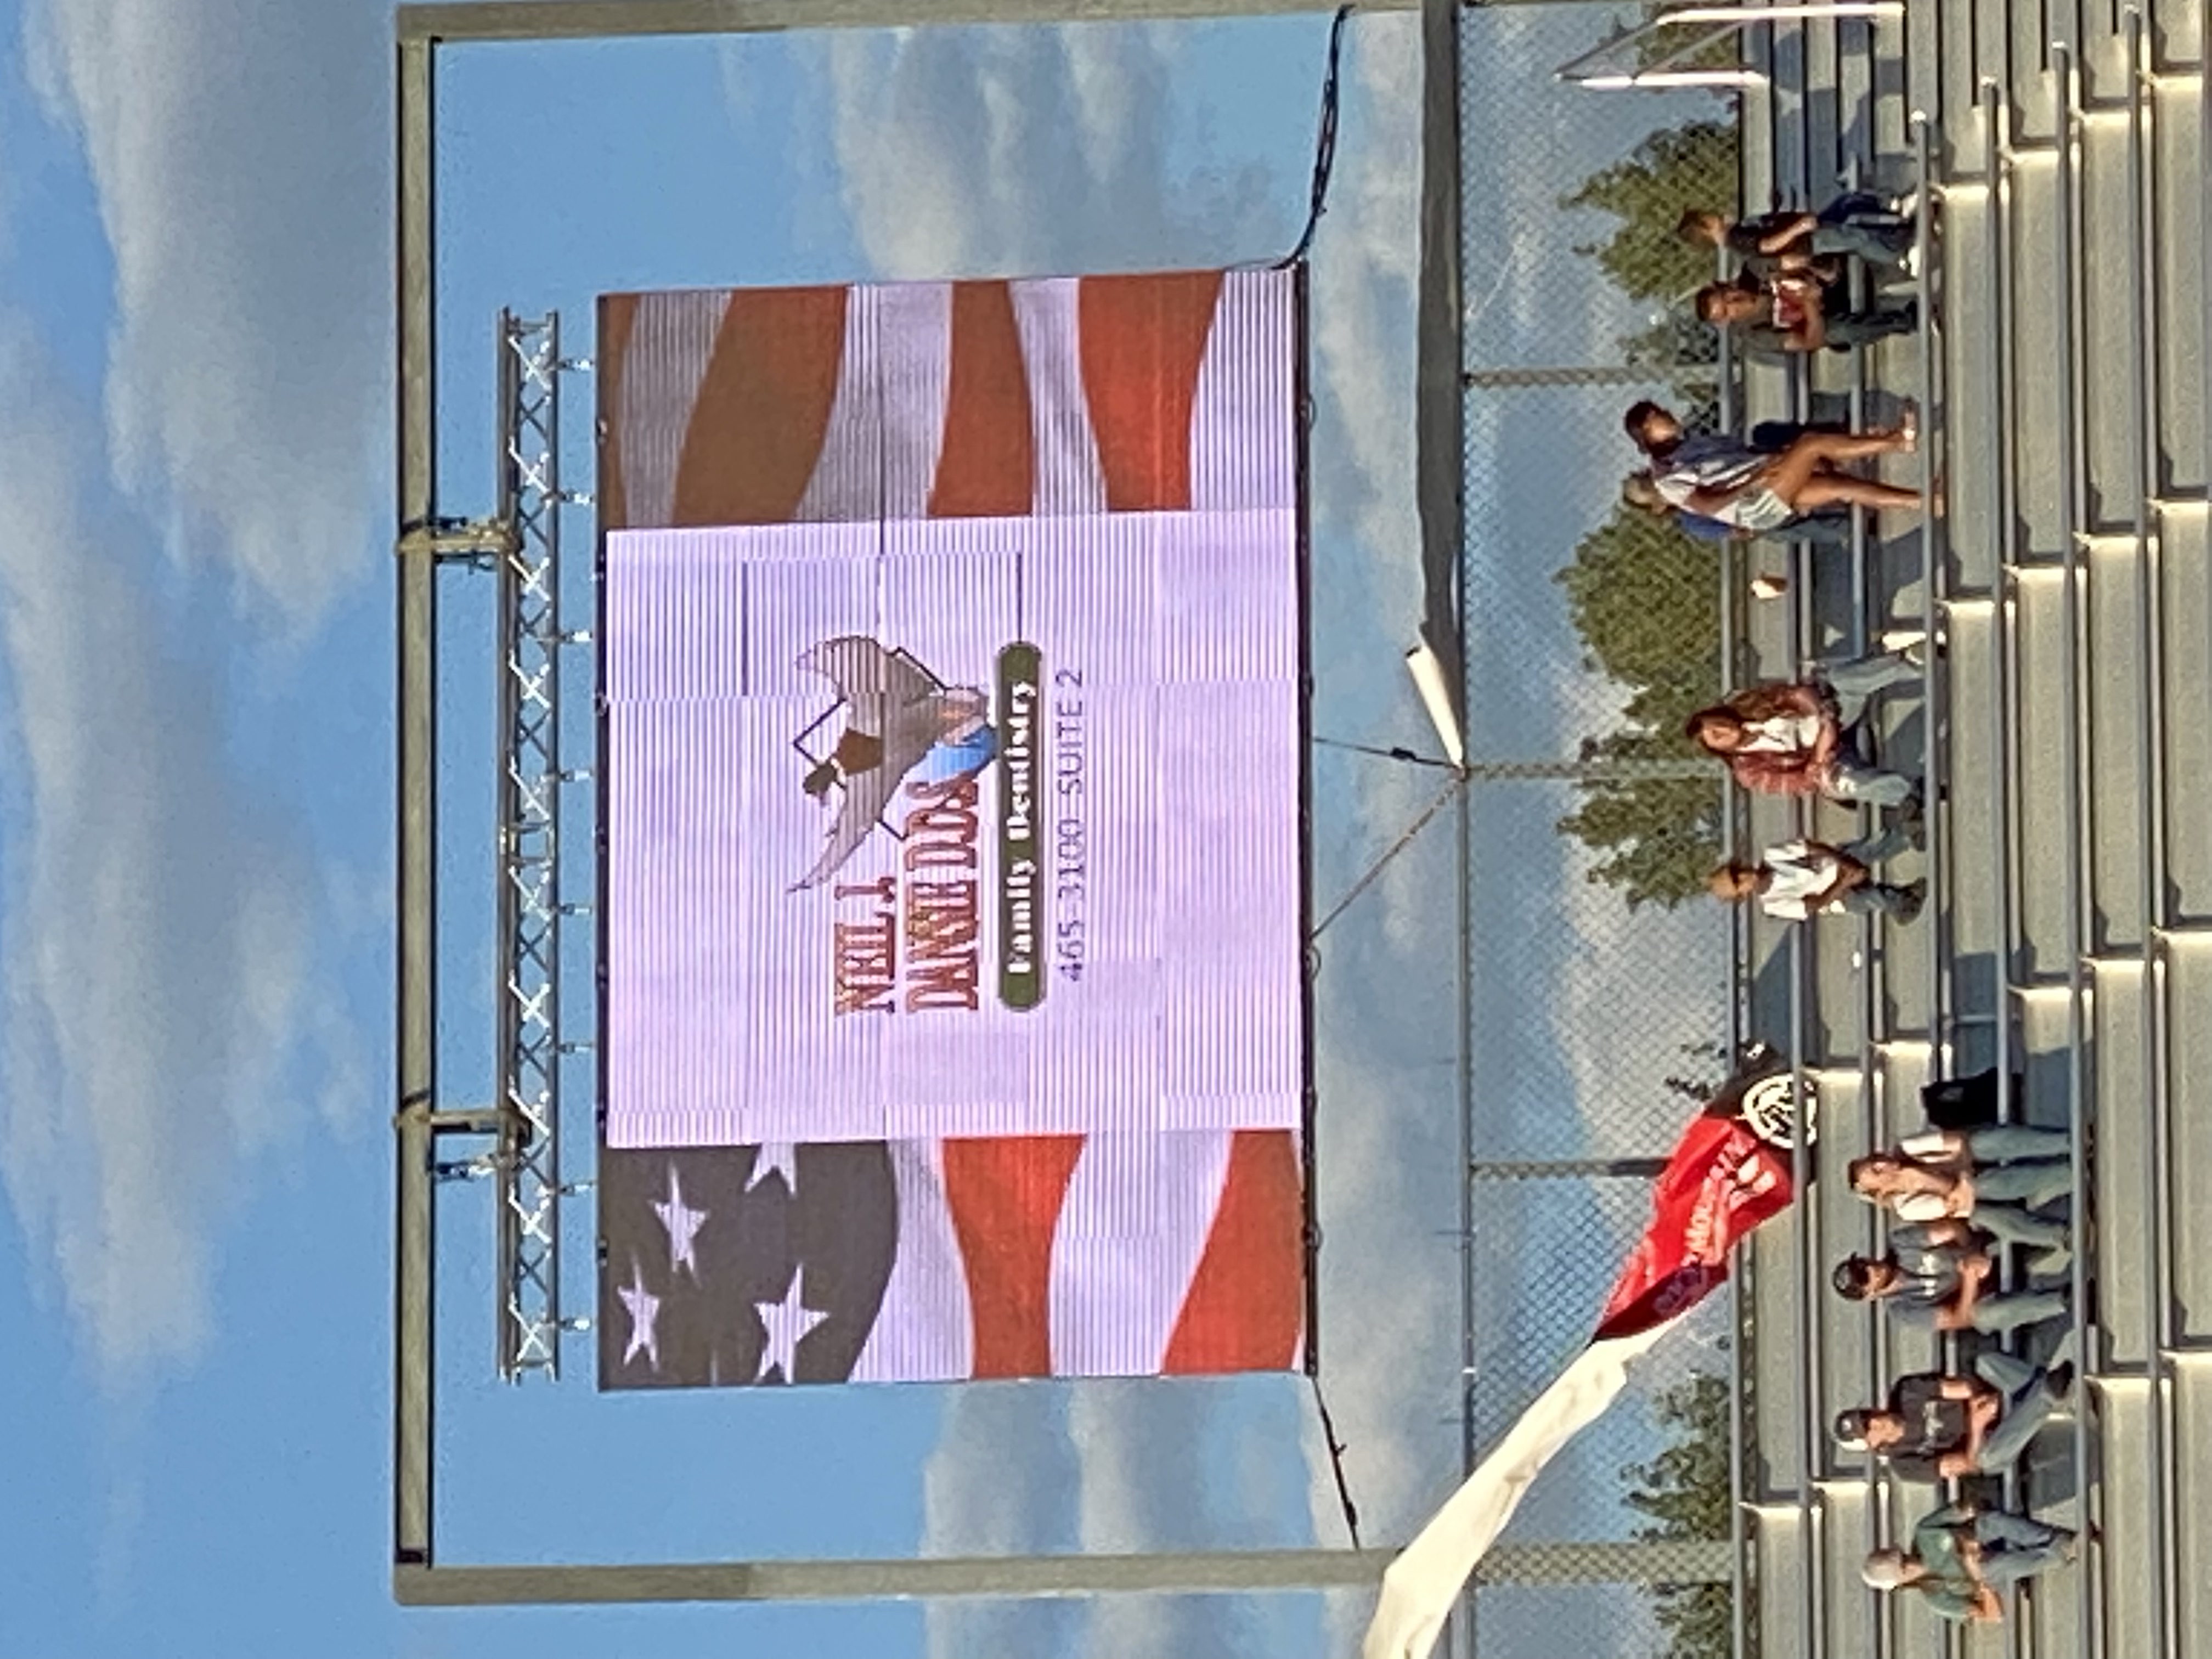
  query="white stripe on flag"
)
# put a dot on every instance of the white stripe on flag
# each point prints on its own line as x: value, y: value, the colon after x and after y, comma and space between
x: 1242, y: 452
x: 1069, y: 479
x: 1425, y: 1580
x: 1132, y: 1231
x: 671, y: 340
x: 924, y: 1332
x: 887, y: 417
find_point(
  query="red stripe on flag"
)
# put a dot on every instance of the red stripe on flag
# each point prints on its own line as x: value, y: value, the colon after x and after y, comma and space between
x: 616, y: 313
x: 1005, y: 1195
x: 1246, y: 1307
x: 1143, y: 338
x: 755, y: 430
x: 988, y: 466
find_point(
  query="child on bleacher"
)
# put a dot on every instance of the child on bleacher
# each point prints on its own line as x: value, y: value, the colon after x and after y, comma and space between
x: 1858, y: 224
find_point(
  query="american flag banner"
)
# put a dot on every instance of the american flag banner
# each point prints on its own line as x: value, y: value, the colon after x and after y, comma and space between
x: 869, y: 1261
x: 953, y: 886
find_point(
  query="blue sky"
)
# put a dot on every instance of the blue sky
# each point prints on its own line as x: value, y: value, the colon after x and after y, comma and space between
x: 195, y: 853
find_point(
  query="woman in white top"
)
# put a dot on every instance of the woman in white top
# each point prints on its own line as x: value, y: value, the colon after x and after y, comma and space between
x: 2000, y: 1198
x: 1800, y: 879
x: 1795, y: 738
x: 1720, y: 479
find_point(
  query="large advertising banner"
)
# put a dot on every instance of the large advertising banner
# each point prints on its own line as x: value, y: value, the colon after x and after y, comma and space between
x: 952, y: 655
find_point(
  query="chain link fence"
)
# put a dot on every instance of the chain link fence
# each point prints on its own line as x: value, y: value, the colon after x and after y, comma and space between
x: 1597, y: 971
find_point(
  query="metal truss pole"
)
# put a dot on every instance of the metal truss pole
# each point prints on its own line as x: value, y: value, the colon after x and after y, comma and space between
x: 527, y: 1166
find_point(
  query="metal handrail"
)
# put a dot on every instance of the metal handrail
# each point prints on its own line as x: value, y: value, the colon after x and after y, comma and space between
x: 2004, y: 710
x: 1936, y: 415
x: 2150, y: 794
x: 2075, y: 759
x: 1715, y: 20
x: 1806, y: 1326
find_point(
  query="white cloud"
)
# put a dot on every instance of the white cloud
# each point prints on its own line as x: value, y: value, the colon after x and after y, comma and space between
x: 998, y: 151
x: 241, y: 155
x: 1365, y: 262
x: 161, y: 939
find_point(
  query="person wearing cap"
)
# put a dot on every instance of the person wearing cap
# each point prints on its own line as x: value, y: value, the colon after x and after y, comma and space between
x: 1934, y: 1277
x: 1797, y: 880
x: 1939, y: 1427
x: 1960, y: 1555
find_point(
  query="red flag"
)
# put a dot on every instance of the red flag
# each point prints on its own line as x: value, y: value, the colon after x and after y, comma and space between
x: 1722, y: 1181
x: 1729, y: 1172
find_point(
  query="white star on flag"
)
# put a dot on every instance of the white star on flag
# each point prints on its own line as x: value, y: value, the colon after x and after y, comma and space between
x: 682, y: 1223
x: 644, y: 1310
x: 775, y: 1157
x: 785, y: 1324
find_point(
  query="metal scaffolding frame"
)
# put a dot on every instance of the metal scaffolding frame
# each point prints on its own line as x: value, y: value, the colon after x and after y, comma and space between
x: 531, y: 905
x: 520, y: 541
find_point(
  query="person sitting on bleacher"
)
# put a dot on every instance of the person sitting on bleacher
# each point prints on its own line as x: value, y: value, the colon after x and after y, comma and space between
x: 1798, y: 738
x: 1726, y: 479
x: 1935, y: 1275
x: 2010, y: 1162
x: 1914, y: 1191
x: 1797, y: 313
x: 1937, y: 1427
x: 1858, y: 225
x: 1823, y: 526
x: 1962, y: 1552
x: 1800, y: 879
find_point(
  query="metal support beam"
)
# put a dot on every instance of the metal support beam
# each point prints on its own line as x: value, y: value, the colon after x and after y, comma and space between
x: 416, y: 945
x: 600, y: 20
x: 473, y: 541
x: 1488, y: 379
x: 1204, y: 1572
x: 1439, y: 406
x: 1569, y: 1169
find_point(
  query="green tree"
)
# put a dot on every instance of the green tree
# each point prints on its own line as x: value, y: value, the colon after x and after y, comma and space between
x: 1685, y: 1495
x: 1691, y: 166
x: 1645, y: 600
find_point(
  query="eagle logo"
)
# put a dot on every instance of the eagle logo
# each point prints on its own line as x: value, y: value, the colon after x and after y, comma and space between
x: 900, y: 721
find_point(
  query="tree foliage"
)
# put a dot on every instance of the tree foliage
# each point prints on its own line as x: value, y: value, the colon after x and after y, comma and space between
x: 1645, y: 600
x: 1685, y: 1494
x: 1690, y: 165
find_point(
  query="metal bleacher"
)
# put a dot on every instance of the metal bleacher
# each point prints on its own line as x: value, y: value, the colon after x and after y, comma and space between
x: 2066, y: 735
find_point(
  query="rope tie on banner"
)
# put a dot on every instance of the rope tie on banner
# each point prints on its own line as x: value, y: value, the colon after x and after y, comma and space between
x: 1336, y: 1453
x: 1324, y: 151
x: 1324, y: 142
